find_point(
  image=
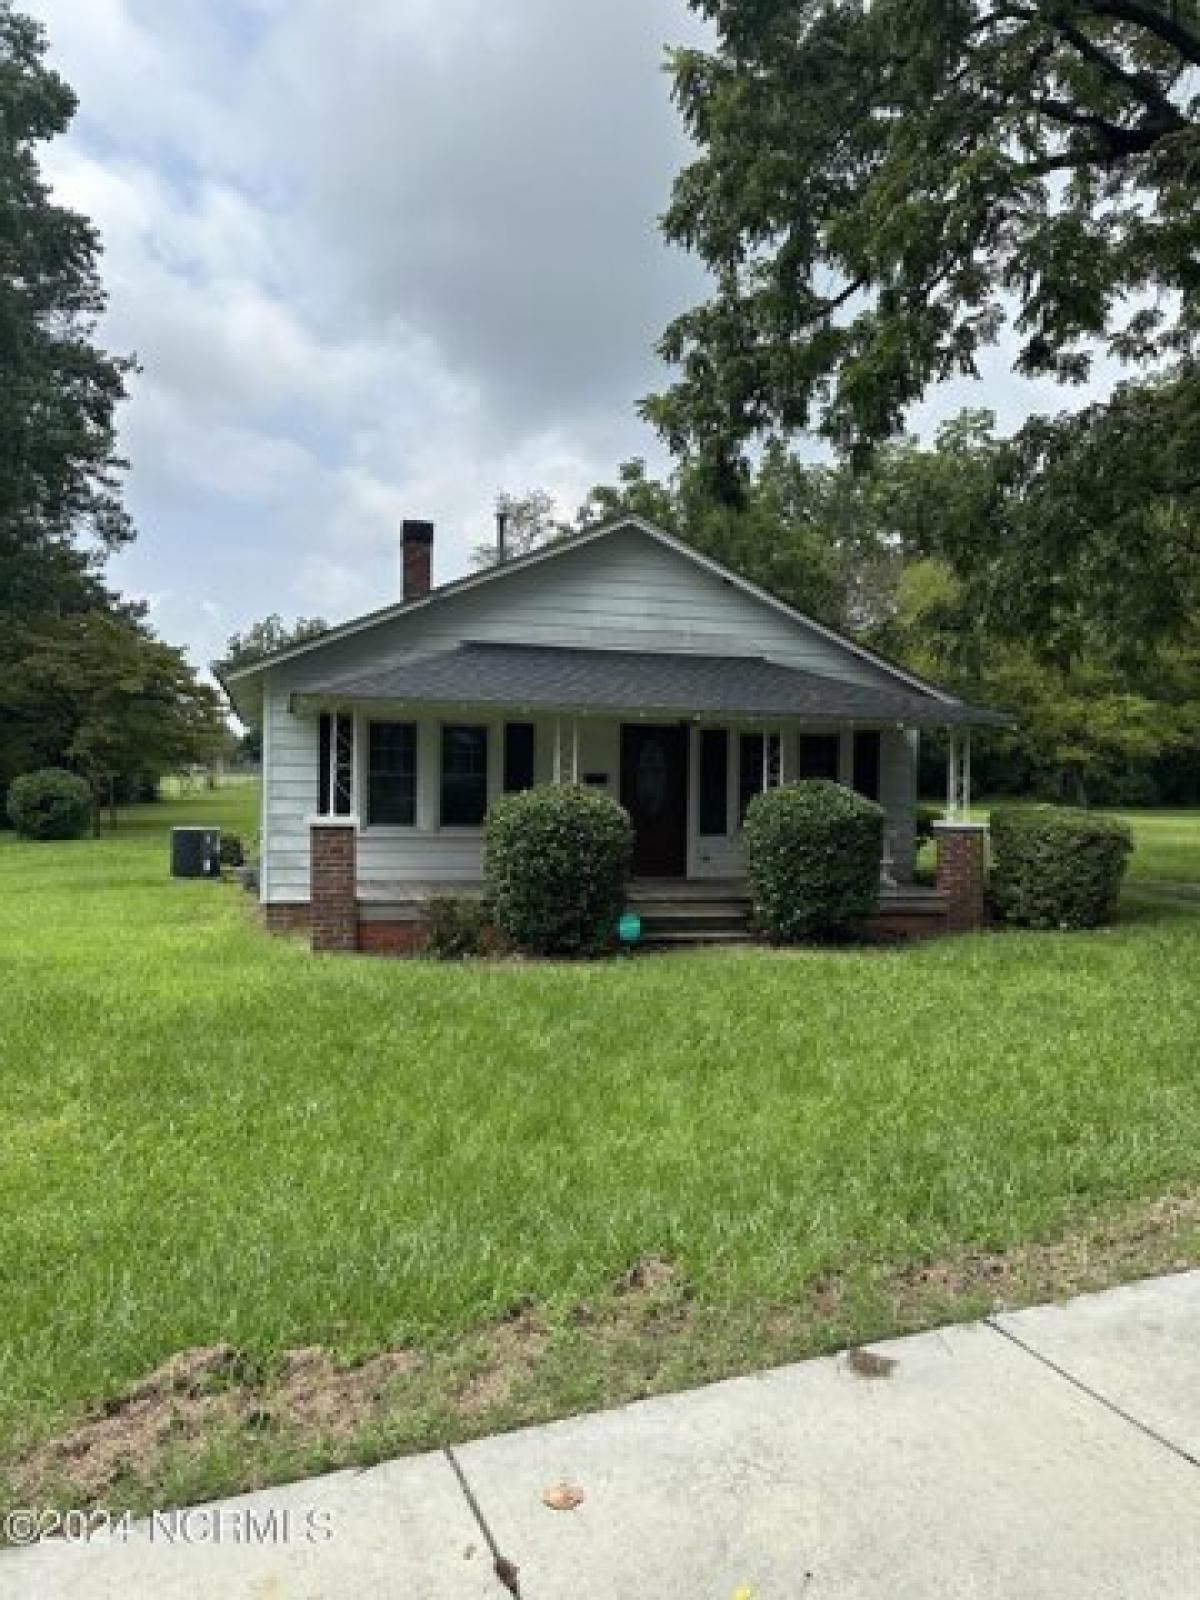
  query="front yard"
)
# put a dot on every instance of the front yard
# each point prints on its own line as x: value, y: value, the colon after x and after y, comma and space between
x: 537, y: 1187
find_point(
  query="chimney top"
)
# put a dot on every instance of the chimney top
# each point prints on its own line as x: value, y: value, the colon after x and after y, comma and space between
x: 416, y: 558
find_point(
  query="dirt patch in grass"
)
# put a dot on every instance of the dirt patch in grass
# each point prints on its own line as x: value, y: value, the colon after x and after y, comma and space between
x: 211, y: 1421
x: 208, y: 1390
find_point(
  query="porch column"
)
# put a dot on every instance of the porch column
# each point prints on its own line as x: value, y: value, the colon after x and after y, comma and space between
x: 962, y: 873
x: 333, y: 868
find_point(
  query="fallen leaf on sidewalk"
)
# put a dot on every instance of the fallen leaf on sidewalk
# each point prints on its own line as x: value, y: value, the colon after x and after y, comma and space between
x: 866, y: 1364
x: 563, y: 1497
x: 743, y: 1592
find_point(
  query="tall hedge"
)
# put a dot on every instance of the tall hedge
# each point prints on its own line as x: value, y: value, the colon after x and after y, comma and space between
x: 813, y: 853
x: 51, y: 803
x: 556, y: 866
x: 1055, y: 867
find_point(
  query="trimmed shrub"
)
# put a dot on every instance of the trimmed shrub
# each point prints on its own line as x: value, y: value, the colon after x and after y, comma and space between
x: 813, y: 852
x: 555, y: 868
x: 50, y: 804
x: 454, y: 929
x: 1055, y: 867
x: 233, y: 853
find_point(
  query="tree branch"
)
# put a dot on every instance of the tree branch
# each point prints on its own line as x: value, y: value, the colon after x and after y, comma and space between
x: 1164, y: 25
x: 1137, y: 83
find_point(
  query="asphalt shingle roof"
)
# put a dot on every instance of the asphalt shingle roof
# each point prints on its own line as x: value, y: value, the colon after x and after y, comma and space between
x: 552, y: 678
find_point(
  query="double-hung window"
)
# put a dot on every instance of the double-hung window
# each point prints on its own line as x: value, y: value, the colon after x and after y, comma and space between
x: 464, y: 775
x: 392, y: 774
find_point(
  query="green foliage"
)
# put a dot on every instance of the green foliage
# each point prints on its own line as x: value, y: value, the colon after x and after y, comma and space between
x: 58, y: 466
x: 233, y: 853
x: 808, y: 533
x: 555, y: 868
x: 50, y: 804
x: 1057, y: 868
x: 813, y: 851
x: 455, y: 928
x: 113, y: 700
x: 82, y: 681
x: 268, y: 636
x: 926, y: 817
x: 880, y: 189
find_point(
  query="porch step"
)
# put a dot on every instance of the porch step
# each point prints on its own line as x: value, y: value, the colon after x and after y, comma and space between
x: 689, y: 919
x: 660, y: 938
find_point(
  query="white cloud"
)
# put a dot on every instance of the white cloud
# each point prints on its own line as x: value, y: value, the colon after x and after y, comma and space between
x: 377, y: 259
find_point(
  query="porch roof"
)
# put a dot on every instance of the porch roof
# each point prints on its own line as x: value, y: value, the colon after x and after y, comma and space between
x: 554, y: 678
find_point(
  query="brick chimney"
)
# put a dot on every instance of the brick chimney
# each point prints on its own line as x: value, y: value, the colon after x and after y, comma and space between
x: 416, y: 559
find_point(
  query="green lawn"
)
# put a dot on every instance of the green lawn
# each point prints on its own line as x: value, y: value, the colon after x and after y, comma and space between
x: 207, y: 1134
x: 1167, y: 845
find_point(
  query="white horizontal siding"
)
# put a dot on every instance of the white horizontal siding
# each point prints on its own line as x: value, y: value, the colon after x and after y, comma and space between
x: 624, y: 591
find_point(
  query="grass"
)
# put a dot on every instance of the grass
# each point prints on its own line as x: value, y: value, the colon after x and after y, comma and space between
x: 208, y: 1135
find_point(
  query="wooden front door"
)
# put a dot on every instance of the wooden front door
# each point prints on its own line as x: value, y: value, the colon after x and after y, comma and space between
x: 654, y: 791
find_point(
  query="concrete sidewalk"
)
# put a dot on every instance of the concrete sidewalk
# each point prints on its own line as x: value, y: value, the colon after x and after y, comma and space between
x: 1050, y: 1453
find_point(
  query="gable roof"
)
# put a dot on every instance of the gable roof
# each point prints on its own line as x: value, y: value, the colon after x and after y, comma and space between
x: 552, y: 552
x: 563, y: 678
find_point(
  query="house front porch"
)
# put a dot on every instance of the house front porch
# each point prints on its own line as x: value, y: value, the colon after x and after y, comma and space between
x: 410, y: 759
x: 672, y: 912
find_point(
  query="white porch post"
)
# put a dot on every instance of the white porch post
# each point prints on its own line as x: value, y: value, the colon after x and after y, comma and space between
x: 575, y: 750
x: 557, y: 769
x: 966, y: 773
x: 782, y: 758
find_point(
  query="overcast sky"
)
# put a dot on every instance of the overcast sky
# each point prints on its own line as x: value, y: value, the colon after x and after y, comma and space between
x: 378, y: 258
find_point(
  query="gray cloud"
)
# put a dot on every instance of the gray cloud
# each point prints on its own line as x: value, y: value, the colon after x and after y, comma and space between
x: 377, y: 258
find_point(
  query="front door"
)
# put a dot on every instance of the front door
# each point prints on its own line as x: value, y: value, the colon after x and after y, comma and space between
x: 654, y: 791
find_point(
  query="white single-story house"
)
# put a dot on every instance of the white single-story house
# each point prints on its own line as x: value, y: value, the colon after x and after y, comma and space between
x: 620, y: 658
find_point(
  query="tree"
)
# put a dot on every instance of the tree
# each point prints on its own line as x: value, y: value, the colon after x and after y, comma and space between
x: 113, y: 702
x: 60, y: 503
x: 881, y: 188
x: 266, y: 637
x: 83, y: 682
x: 529, y: 523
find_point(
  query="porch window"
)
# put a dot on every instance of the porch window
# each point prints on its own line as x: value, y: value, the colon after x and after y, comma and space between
x: 714, y: 781
x: 335, y: 764
x: 819, y: 755
x: 759, y: 757
x: 866, y: 763
x: 518, y: 756
x: 464, y: 775
x: 392, y: 774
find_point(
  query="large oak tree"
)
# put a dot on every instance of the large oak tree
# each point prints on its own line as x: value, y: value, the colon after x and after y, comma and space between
x: 883, y: 185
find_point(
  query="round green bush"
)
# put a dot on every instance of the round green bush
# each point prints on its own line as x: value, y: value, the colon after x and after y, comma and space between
x: 556, y: 864
x: 1055, y: 867
x: 813, y: 854
x: 50, y: 804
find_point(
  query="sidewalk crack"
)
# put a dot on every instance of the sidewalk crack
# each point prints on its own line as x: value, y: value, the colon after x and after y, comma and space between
x: 506, y: 1571
x: 1094, y: 1394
